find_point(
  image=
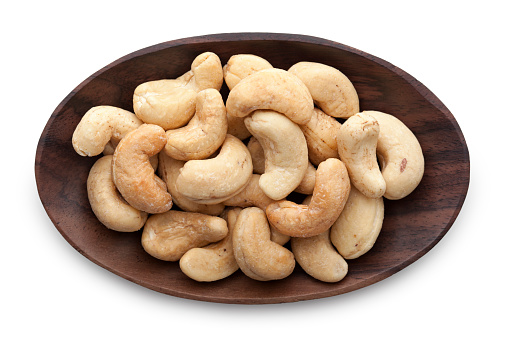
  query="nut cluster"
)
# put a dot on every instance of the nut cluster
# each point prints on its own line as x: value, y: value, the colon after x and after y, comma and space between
x: 231, y: 168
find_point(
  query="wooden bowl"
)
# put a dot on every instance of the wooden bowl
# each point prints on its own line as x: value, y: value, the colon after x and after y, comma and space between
x: 412, y: 226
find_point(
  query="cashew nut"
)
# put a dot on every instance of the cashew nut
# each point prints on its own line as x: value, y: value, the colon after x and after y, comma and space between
x: 100, y: 125
x: 400, y: 156
x: 251, y: 195
x: 321, y: 137
x: 331, y: 90
x: 237, y: 128
x: 329, y: 197
x: 357, y: 139
x: 307, y: 185
x: 240, y: 66
x: 358, y: 226
x: 170, y: 103
x: 107, y: 203
x: 319, y: 258
x: 205, y: 132
x: 257, y: 156
x: 215, y: 261
x: 273, y: 89
x: 285, y: 150
x: 134, y: 175
x: 169, y: 169
x: 214, y: 180
x: 257, y: 256
x: 167, y: 236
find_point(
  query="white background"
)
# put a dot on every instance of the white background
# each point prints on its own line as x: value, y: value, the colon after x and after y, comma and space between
x: 456, y: 49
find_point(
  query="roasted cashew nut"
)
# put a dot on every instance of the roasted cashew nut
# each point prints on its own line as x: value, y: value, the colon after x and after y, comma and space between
x: 285, y: 150
x: 100, y: 125
x: 204, y: 134
x: 272, y: 89
x: 328, y: 200
x: 107, y: 203
x: 134, y: 175
x: 170, y: 103
x: 358, y: 226
x: 400, y: 156
x: 321, y: 136
x: 169, y: 170
x: 240, y: 66
x: 214, y: 180
x: 319, y: 258
x: 357, y: 140
x: 257, y: 256
x: 331, y: 90
x: 215, y: 261
x: 167, y: 236
x: 251, y: 195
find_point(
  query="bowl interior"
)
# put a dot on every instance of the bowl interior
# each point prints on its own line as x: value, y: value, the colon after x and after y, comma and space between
x: 412, y: 226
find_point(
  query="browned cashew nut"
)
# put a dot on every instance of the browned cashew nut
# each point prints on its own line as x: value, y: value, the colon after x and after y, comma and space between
x: 215, y: 261
x: 107, y: 203
x: 167, y: 236
x: 328, y: 200
x: 134, y: 175
x: 169, y: 170
x: 257, y: 256
x: 273, y: 89
x: 204, y: 134
x: 100, y: 125
x: 319, y: 258
x: 214, y: 180
x: 331, y: 90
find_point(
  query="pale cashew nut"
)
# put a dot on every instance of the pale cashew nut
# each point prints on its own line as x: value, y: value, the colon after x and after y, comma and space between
x: 240, y: 66
x: 134, y: 175
x: 321, y: 136
x: 331, y: 90
x: 169, y: 170
x: 273, y: 89
x: 170, y: 103
x: 251, y: 195
x: 400, y: 156
x: 328, y: 200
x: 204, y: 134
x: 285, y: 150
x: 357, y: 139
x: 215, y: 261
x: 168, y: 236
x: 319, y: 258
x: 107, y: 203
x: 358, y: 226
x: 100, y: 125
x: 257, y: 256
x: 214, y: 180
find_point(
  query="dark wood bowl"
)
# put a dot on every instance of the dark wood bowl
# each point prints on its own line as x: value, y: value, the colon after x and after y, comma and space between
x: 412, y: 226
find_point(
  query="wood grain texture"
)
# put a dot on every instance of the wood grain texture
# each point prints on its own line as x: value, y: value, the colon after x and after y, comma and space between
x: 412, y: 226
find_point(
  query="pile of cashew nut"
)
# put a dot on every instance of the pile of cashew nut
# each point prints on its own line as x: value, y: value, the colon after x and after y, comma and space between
x: 287, y: 170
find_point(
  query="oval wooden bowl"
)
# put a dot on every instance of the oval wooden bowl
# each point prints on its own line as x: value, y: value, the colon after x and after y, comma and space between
x: 412, y: 226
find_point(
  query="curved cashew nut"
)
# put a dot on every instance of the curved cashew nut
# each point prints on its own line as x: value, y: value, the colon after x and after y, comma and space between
x: 251, y: 195
x: 285, y: 150
x: 331, y: 90
x: 257, y: 256
x: 307, y: 185
x: 215, y: 261
x: 211, y: 181
x: 100, y: 125
x: 321, y: 136
x: 169, y: 170
x: 170, y: 103
x: 328, y: 200
x: 106, y: 202
x: 167, y: 236
x: 400, y: 156
x: 358, y: 226
x: 273, y: 89
x: 319, y: 258
x: 204, y: 134
x: 134, y: 175
x: 240, y: 66
x: 357, y: 139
